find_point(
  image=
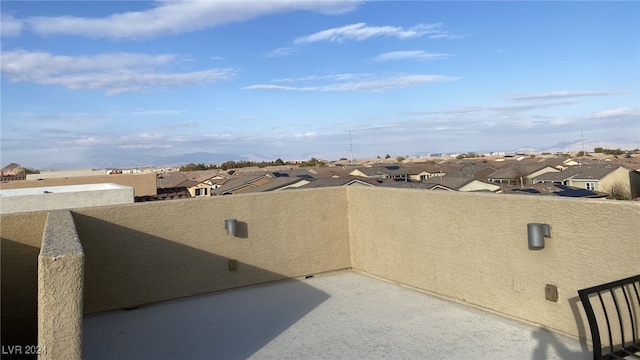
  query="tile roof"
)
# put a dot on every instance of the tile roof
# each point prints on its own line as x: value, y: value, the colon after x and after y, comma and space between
x: 236, y: 182
x: 451, y: 182
x: 554, y: 190
x: 511, y: 171
x: 166, y: 194
x: 585, y: 172
x: 407, y: 185
x: 275, y: 184
x: 344, y: 181
x: 173, y: 178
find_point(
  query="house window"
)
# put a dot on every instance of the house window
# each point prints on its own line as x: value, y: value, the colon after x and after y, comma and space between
x: 201, y: 192
x: 423, y: 177
x: 591, y: 186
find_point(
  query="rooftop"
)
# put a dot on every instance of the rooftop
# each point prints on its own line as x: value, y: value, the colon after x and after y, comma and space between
x: 59, y: 189
x: 343, y: 315
x: 377, y: 257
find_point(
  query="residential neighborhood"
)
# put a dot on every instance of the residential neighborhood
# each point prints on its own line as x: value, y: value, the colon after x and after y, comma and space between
x: 596, y: 176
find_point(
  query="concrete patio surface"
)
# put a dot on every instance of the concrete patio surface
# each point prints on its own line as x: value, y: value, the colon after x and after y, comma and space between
x: 342, y: 315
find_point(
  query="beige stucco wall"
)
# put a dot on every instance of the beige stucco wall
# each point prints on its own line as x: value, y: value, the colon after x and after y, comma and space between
x: 620, y: 176
x: 60, y: 289
x: 473, y: 248
x: 21, y: 238
x: 479, y: 185
x: 144, y: 184
x: 542, y: 171
x: 192, y: 190
x: 63, y: 197
x: 148, y: 252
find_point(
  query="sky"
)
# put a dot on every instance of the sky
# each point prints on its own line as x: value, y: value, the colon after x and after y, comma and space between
x: 98, y: 83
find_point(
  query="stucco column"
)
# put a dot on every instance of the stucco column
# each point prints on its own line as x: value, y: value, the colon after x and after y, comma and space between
x: 60, y: 289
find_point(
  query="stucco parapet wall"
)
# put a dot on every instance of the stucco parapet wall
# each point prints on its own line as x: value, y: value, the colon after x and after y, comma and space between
x: 60, y: 289
x: 64, y: 197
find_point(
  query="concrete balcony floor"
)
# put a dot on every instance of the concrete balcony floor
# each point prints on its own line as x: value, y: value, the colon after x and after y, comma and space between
x: 342, y: 315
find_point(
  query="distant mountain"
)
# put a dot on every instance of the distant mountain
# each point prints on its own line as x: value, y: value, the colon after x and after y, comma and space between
x: 589, y: 145
x: 576, y: 146
x: 136, y: 160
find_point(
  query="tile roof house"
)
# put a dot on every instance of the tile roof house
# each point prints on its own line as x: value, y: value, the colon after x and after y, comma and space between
x: 331, y: 171
x: 196, y: 188
x: 280, y: 183
x: 477, y: 170
x: 295, y: 173
x: 376, y: 172
x: 241, y: 183
x: 600, y: 177
x: 519, y: 173
x: 343, y: 181
x: 464, y: 184
x: 417, y: 172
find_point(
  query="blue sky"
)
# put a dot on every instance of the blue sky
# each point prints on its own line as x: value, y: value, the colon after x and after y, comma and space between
x: 127, y: 82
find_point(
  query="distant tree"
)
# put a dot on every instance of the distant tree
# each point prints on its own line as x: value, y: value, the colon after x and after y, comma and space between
x: 379, y: 157
x: 189, y: 167
x: 546, y: 153
x: 400, y: 158
x: 598, y: 150
x: 278, y: 162
x: 387, y: 156
x: 520, y: 175
x: 611, y: 151
x: 343, y: 159
x: 29, y: 170
x: 581, y: 153
x: 313, y: 162
x: 228, y: 165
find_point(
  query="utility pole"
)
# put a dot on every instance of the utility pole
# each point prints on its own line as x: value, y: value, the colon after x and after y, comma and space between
x: 351, y: 148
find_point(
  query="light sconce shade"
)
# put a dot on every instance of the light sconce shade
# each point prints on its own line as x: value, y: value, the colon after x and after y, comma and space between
x: 231, y: 226
x: 536, y: 233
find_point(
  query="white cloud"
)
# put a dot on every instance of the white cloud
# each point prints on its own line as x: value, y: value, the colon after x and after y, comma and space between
x: 411, y: 55
x: 175, y: 17
x: 131, y: 81
x: 113, y: 73
x: 360, y: 32
x: 10, y: 26
x: 25, y: 65
x: 157, y: 112
x: 374, y: 84
x: 560, y: 94
x: 615, y: 113
x: 335, y: 77
x: 281, y: 52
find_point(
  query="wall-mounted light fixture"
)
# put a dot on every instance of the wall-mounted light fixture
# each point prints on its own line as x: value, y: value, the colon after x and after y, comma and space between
x: 231, y: 226
x: 536, y: 233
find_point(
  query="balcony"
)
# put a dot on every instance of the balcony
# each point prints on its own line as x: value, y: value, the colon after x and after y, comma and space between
x: 396, y: 273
